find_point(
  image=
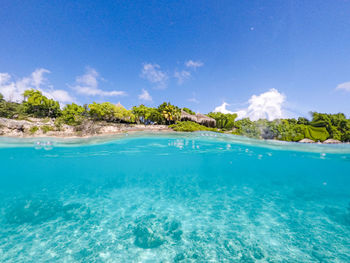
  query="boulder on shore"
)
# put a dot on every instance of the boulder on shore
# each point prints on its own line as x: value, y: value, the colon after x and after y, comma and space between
x: 306, y: 140
x: 331, y: 141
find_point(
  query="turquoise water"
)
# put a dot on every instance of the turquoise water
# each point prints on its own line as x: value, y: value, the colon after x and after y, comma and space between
x: 174, y: 198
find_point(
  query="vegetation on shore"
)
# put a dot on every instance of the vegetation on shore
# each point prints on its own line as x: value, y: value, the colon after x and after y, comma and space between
x: 190, y: 126
x: 35, y: 104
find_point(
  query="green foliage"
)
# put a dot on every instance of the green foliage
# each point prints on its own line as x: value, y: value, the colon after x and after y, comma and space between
x: 316, y: 133
x: 72, y: 114
x: 33, y: 129
x: 281, y: 129
x: 336, y: 124
x: 170, y: 113
x: 9, y: 109
x: 141, y: 113
x: 107, y: 111
x: 102, y: 111
x: 147, y: 115
x: 38, y: 105
x: 223, y: 121
x: 123, y: 114
x: 164, y: 114
x: 284, y: 129
x: 189, y: 111
x: 46, y: 128
x: 189, y: 126
x: 248, y: 128
x: 302, y: 120
x: 344, y: 128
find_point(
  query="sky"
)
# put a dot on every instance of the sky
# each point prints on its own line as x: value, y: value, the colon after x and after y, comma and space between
x: 261, y: 59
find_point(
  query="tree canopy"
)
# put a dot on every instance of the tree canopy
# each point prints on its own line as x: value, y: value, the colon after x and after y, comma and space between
x: 107, y: 111
x: 223, y: 121
x: 9, y: 109
x: 72, y: 114
x: 37, y: 105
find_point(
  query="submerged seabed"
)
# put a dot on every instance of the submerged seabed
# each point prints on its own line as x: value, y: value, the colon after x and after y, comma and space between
x: 198, y: 197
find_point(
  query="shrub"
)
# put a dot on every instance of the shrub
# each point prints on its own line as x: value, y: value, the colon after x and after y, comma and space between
x: 223, y: 121
x: 189, y: 126
x: 46, y: 128
x: 33, y: 129
x: 316, y: 133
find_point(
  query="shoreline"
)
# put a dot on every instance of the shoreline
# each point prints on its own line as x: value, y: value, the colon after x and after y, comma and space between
x: 36, y: 128
x: 11, y: 128
x: 87, y: 136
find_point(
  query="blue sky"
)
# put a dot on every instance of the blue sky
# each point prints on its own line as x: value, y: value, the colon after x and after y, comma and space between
x: 263, y: 58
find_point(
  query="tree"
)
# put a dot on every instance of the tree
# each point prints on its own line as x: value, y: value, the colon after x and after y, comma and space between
x: 302, y: 120
x: 170, y: 113
x: 37, y: 105
x: 223, y: 121
x: 107, y: 111
x: 102, y: 111
x: 147, y: 115
x: 285, y: 129
x: 345, y: 130
x: 9, y: 109
x: 332, y: 122
x: 72, y: 114
x: 124, y: 115
x: 247, y: 128
x: 140, y: 113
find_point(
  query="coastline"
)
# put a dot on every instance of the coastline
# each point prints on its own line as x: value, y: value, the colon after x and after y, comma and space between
x: 10, y: 128
x: 22, y: 129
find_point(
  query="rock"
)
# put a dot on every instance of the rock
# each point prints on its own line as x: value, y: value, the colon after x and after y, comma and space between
x: 331, y: 141
x: 306, y: 140
x: 152, y: 231
x: 19, y: 128
x: 33, y: 212
x: 146, y: 238
x: 37, y: 211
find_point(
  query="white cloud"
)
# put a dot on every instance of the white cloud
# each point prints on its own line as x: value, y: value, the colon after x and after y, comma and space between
x: 222, y: 108
x: 13, y: 89
x: 145, y: 95
x: 60, y: 95
x: 38, y: 77
x: 182, y: 76
x: 4, y: 78
x: 153, y: 74
x: 268, y: 105
x: 344, y: 86
x: 193, y: 64
x: 87, y: 84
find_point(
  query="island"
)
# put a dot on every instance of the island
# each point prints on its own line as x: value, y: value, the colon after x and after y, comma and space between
x: 38, y: 115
